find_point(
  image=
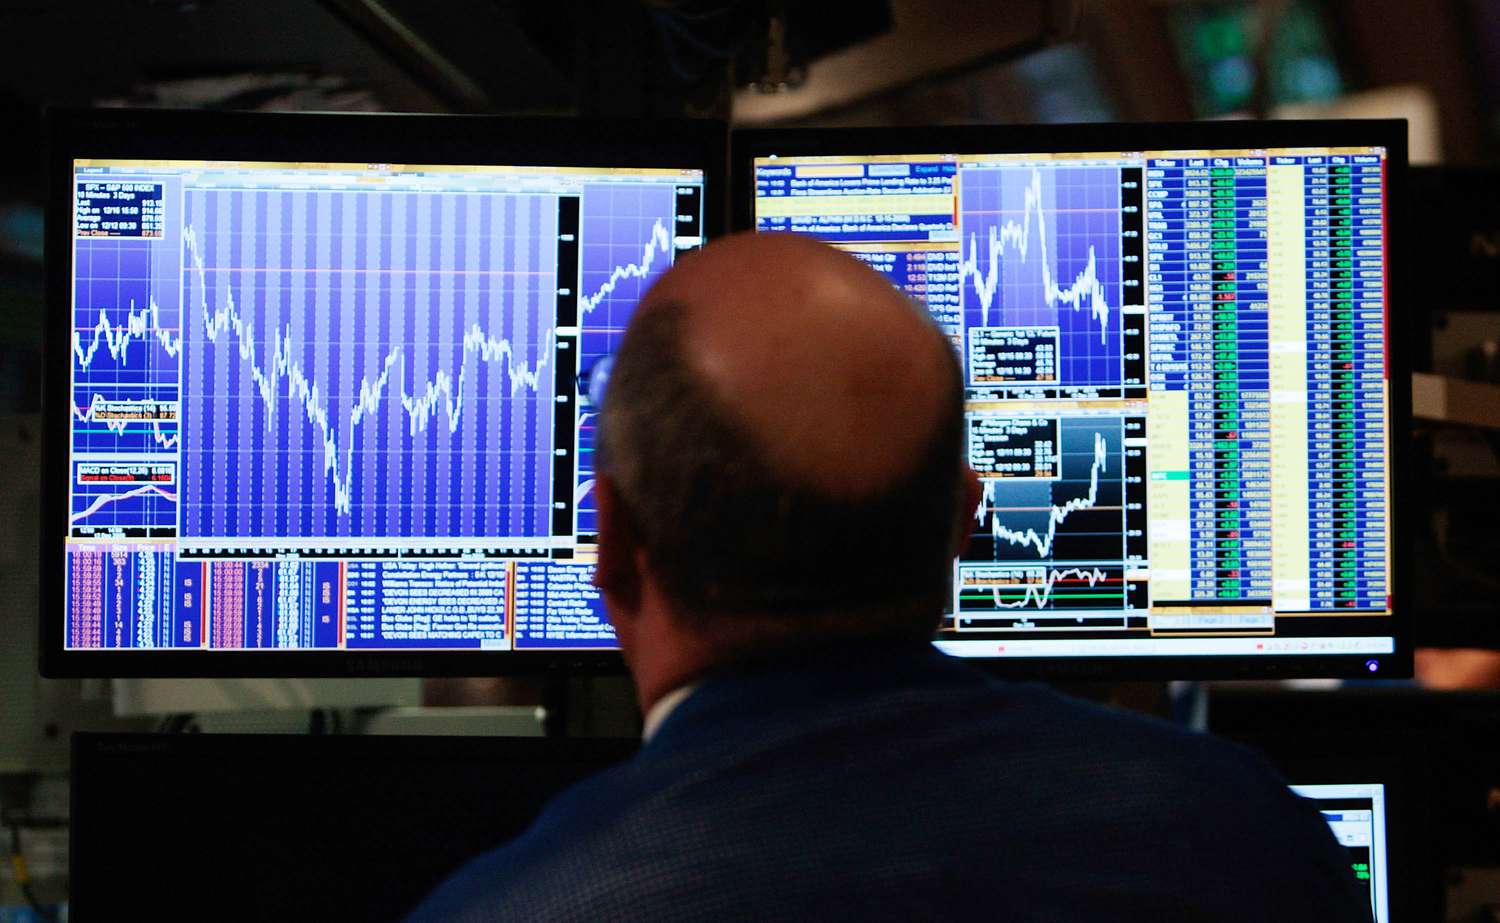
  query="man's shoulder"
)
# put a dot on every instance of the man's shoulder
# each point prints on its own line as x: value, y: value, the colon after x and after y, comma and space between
x: 986, y: 716
x: 967, y: 720
x: 898, y: 788
x: 555, y: 867
x: 988, y: 748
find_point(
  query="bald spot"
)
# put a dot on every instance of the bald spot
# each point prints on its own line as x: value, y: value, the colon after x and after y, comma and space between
x: 823, y: 362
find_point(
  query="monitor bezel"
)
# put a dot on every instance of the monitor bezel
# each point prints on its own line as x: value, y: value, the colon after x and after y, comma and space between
x: 748, y: 145
x: 315, y: 137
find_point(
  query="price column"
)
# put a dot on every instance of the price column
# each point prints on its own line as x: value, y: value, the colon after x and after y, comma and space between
x: 1211, y: 305
x: 1236, y: 565
x: 1216, y: 415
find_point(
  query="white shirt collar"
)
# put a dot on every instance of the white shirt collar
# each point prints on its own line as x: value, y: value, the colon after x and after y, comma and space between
x: 664, y: 706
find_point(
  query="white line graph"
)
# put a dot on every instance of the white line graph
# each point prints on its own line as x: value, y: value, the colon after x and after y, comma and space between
x: 102, y: 500
x: 162, y: 436
x: 1086, y: 289
x: 1039, y: 594
x: 442, y: 391
x: 1042, y: 542
x: 659, y: 243
x: 139, y: 325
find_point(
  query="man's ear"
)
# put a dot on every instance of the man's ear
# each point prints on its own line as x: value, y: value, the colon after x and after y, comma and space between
x: 617, y: 572
x: 970, y: 493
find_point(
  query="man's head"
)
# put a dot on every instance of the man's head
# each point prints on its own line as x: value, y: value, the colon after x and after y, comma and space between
x: 781, y: 461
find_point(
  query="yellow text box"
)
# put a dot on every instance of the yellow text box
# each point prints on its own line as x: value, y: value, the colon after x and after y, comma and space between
x: 794, y: 206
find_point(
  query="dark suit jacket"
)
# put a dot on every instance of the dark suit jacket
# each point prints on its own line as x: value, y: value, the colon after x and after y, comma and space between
x: 895, y: 783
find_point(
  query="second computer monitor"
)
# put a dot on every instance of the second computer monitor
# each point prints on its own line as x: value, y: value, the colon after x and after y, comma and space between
x: 1182, y: 372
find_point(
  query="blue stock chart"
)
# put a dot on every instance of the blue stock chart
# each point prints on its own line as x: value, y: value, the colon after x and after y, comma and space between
x: 126, y: 347
x: 126, y: 344
x: 1041, y: 252
x: 1051, y: 531
x: 1072, y: 510
x: 627, y: 244
x: 325, y: 407
x: 368, y: 364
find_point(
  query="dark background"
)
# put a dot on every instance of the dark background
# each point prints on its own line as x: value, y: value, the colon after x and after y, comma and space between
x: 801, y: 63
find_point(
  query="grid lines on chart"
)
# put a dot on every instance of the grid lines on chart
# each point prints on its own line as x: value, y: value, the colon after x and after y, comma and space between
x: 363, y: 364
x: 626, y: 244
x: 1041, y: 247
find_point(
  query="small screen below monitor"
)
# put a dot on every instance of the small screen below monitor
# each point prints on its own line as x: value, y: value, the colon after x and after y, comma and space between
x: 1177, y: 369
x: 1356, y: 815
x: 340, y: 406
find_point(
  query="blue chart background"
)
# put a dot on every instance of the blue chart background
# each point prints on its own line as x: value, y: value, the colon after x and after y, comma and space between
x: 1080, y: 208
x: 355, y: 278
x: 1086, y: 534
x: 113, y: 278
x: 617, y: 221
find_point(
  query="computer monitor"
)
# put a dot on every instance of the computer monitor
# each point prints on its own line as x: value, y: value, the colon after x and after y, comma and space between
x: 1356, y: 813
x: 1183, y: 355
x: 286, y: 827
x: 317, y: 400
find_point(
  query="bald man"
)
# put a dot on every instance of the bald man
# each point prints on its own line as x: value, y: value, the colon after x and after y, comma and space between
x: 782, y: 492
